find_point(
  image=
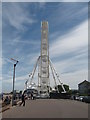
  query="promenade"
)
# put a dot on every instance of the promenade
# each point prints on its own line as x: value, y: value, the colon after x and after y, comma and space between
x: 48, y: 108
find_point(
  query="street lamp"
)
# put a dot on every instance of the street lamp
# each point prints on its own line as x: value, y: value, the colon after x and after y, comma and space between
x: 14, y: 80
x: 26, y: 83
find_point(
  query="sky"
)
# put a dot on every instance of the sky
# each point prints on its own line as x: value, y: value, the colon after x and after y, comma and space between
x: 45, y: 0
x: 0, y: 48
x: 21, y: 39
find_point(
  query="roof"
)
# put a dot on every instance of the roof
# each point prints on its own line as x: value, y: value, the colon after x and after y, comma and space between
x: 85, y: 81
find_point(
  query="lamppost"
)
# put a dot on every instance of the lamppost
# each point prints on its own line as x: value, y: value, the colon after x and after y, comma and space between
x: 26, y: 83
x: 13, y: 80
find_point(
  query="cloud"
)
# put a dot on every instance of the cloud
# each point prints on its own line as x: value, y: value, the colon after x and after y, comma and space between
x: 75, y: 0
x: 8, y: 79
x: 68, y: 50
x: 73, y: 79
x: 0, y: 47
x: 18, y: 40
x: 64, y: 22
x: 0, y: 63
x: 45, y: 0
x: 73, y: 68
x: 42, y: 4
x: 75, y: 40
x: 17, y: 15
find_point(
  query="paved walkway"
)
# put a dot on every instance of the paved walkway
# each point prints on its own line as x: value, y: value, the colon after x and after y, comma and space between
x: 49, y: 108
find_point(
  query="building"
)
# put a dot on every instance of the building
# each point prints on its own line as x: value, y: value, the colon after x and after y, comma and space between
x: 84, y: 87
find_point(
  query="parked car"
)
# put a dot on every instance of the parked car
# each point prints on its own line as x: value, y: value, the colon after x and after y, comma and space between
x: 81, y: 98
x: 38, y: 97
x: 86, y: 99
x: 77, y: 98
x: 73, y: 97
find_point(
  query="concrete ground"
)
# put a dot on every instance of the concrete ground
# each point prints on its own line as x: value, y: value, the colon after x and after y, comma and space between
x: 49, y: 108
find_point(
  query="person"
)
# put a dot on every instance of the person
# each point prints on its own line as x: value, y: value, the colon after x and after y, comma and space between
x: 31, y: 96
x: 2, y: 97
x: 74, y: 97
x: 23, y: 100
x: 7, y: 100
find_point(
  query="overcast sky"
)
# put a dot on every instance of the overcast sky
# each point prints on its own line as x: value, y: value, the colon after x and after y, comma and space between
x: 68, y: 40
